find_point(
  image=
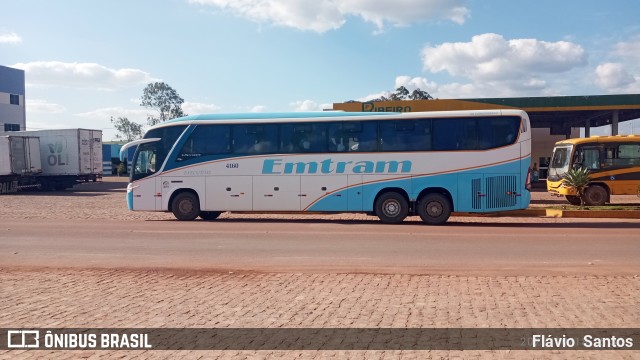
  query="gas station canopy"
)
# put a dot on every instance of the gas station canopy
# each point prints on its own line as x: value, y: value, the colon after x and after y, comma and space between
x: 557, y: 113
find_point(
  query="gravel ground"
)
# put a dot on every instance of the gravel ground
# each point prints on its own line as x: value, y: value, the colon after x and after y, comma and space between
x: 119, y: 298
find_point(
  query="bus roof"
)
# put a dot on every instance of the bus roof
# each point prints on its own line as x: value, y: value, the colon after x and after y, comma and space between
x: 283, y: 115
x: 327, y: 115
x: 600, y: 139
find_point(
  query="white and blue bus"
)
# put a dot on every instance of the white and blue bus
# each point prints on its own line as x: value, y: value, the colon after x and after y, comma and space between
x: 388, y: 164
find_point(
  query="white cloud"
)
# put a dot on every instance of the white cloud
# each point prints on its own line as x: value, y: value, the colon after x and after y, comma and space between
x: 615, y: 78
x: 38, y: 125
x: 258, y: 108
x: 10, y: 38
x: 82, y: 75
x: 491, y: 57
x: 324, y: 15
x: 192, y: 108
x: 100, y: 119
x: 309, y: 105
x: 629, y: 49
x: 405, y: 12
x: 415, y: 83
x: 43, y: 106
x: 499, y: 67
x: 456, y: 90
x: 139, y: 115
x: 314, y: 15
x: 621, y: 73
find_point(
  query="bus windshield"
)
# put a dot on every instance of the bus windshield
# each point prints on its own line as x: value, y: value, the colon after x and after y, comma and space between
x: 150, y: 156
x: 560, y: 161
x: 146, y: 161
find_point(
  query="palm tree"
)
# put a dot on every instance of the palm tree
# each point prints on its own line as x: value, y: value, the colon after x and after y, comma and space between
x: 577, y: 178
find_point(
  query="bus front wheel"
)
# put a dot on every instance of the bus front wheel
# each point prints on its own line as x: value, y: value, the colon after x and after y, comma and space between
x: 392, y: 208
x: 185, y: 206
x: 434, y: 209
x: 595, y: 195
x: 573, y: 199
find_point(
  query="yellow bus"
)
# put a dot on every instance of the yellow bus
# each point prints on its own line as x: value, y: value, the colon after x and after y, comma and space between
x: 613, y: 162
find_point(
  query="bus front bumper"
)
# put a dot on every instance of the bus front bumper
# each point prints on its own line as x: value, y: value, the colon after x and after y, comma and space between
x: 557, y: 188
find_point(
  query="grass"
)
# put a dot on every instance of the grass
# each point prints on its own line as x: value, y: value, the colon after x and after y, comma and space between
x: 606, y: 207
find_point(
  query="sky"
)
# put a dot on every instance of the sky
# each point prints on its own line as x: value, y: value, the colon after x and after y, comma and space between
x: 88, y: 61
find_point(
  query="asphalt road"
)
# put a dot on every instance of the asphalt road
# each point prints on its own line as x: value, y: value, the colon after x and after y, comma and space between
x: 597, y: 248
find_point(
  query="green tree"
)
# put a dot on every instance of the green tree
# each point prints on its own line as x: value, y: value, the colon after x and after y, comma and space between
x: 402, y: 93
x: 127, y: 130
x: 418, y: 94
x: 164, y: 99
x: 578, y: 179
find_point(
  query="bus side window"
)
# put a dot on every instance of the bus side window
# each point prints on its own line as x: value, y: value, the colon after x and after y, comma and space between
x: 591, y: 158
x: 304, y: 137
x: 610, y: 157
x: 629, y: 154
x: 255, y: 139
x: 341, y: 136
x: 206, y: 140
x: 578, y: 158
x: 405, y: 135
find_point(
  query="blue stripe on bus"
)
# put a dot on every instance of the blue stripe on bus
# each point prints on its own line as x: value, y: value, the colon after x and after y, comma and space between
x: 130, y: 200
x: 414, y: 185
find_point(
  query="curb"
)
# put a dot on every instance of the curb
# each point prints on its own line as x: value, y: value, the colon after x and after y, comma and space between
x: 583, y: 214
x: 601, y: 214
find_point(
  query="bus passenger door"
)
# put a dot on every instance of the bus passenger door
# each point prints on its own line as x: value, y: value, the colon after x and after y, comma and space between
x: 276, y: 193
x: 323, y: 193
x: 227, y: 193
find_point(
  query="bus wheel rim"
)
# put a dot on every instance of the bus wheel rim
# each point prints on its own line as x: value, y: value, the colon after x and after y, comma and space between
x: 391, y: 207
x: 186, y: 207
x: 434, y: 209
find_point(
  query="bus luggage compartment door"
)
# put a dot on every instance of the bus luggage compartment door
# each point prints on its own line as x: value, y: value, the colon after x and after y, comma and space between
x: 229, y: 193
x: 324, y: 193
x: 276, y: 193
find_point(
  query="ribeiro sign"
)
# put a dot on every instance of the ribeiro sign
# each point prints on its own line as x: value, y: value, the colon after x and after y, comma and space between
x: 371, y: 107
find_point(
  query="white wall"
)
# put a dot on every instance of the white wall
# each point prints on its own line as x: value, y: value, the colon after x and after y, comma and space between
x: 542, y: 143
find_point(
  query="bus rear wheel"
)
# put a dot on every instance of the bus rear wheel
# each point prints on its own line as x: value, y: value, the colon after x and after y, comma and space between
x: 185, y: 206
x: 595, y: 195
x: 209, y: 215
x: 434, y: 209
x: 392, y: 208
x: 573, y: 199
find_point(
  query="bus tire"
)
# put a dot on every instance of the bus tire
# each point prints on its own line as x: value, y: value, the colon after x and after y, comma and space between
x: 595, y: 195
x: 434, y: 209
x: 209, y: 215
x: 573, y: 199
x: 392, y: 208
x: 185, y: 206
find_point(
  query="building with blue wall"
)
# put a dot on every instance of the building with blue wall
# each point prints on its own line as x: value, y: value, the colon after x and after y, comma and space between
x: 12, y: 98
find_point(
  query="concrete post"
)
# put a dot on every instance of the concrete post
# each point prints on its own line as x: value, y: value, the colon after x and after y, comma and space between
x: 587, y: 128
x: 614, y: 122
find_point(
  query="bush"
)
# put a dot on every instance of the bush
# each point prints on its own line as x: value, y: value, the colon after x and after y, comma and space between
x: 121, y: 169
x: 577, y: 178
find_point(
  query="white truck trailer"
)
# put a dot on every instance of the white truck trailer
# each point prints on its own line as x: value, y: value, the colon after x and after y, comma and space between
x: 19, y: 162
x: 69, y: 156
